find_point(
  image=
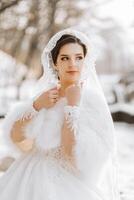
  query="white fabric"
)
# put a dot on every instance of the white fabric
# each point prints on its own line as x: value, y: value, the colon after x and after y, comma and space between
x: 49, y: 77
x: 72, y: 115
x: 19, y: 111
x: 94, y: 151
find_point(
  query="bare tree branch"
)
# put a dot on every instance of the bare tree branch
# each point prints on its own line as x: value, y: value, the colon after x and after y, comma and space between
x: 4, y: 5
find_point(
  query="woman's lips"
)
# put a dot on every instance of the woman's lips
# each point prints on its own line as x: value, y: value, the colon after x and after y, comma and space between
x: 72, y: 72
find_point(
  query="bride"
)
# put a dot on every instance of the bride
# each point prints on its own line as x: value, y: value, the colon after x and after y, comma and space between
x: 64, y: 135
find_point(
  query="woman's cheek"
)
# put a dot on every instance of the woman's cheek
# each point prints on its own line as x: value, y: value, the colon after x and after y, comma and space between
x: 62, y: 72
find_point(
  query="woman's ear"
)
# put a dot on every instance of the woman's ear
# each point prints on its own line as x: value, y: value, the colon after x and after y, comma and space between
x: 55, y: 66
x: 56, y: 69
x: 58, y: 85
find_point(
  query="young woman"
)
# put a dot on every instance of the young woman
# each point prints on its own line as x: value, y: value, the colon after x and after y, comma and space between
x: 65, y: 134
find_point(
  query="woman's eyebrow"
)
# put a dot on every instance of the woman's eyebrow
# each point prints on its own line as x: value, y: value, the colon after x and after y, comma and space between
x: 63, y: 55
x: 77, y: 54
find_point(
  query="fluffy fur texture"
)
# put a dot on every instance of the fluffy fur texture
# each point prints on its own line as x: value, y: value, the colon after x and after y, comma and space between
x: 19, y: 111
x: 94, y: 140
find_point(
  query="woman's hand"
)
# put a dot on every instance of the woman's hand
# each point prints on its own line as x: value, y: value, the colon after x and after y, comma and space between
x: 26, y: 145
x: 73, y: 94
x: 47, y: 99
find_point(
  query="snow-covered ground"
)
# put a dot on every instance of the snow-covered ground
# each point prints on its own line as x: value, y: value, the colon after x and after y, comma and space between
x: 125, y: 142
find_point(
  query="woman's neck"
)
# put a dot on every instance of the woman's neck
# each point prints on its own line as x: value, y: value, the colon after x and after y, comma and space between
x: 63, y: 87
x: 62, y: 90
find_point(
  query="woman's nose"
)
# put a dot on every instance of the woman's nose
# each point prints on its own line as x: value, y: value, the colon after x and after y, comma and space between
x: 72, y: 63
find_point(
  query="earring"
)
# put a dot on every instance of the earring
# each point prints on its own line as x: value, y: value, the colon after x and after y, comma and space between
x: 56, y: 71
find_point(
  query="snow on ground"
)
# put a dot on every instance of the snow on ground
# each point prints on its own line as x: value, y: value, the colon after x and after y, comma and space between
x: 123, y: 107
x: 125, y: 143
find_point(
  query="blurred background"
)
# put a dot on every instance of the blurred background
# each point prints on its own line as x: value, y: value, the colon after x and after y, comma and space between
x: 25, y: 28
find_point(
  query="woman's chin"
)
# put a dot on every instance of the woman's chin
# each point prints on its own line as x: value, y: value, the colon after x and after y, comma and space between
x: 72, y: 81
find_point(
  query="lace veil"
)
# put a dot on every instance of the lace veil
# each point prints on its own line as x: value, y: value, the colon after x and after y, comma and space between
x: 49, y: 77
x: 101, y: 120
x: 49, y: 80
x: 102, y: 124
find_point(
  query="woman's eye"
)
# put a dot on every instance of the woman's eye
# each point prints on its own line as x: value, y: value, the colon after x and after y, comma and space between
x: 79, y: 58
x: 64, y: 58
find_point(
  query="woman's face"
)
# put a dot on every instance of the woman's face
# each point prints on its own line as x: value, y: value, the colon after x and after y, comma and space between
x: 70, y: 62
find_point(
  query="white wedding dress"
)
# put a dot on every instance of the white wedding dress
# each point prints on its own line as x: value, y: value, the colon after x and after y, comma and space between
x: 43, y: 173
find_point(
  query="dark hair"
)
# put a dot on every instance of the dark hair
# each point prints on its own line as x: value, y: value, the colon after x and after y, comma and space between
x: 65, y: 39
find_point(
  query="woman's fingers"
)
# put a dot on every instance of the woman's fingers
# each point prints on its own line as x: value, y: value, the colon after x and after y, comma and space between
x: 54, y: 91
x: 55, y: 88
x: 53, y: 95
x: 53, y: 100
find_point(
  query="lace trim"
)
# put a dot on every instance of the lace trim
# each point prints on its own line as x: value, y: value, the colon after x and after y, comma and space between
x: 72, y: 114
x: 47, y: 62
x: 58, y: 155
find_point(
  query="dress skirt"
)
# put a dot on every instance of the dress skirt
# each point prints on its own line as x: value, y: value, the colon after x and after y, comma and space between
x: 39, y: 176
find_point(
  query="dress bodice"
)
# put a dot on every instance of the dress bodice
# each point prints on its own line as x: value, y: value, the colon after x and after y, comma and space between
x: 90, y: 149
